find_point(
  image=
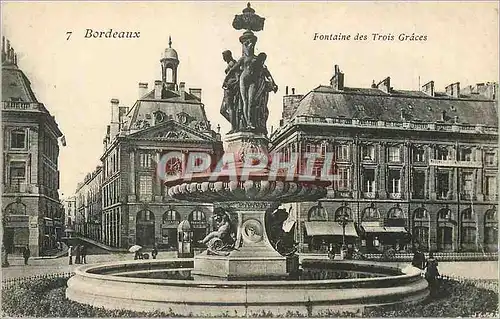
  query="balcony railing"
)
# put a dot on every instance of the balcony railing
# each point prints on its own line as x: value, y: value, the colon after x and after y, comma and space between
x: 369, y: 194
x: 454, y: 163
x: 395, y: 195
x: 468, y: 128
x: 19, y: 105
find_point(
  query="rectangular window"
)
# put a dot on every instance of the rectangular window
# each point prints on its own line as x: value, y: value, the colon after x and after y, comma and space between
x: 342, y: 152
x: 369, y: 153
x: 442, y: 185
x: 145, y: 188
x: 145, y: 160
x: 443, y: 154
x: 418, y: 155
x: 467, y: 183
x: 394, y: 182
x: 343, y: 175
x: 17, y: 175
x: 489, y: 159
x: 18, y: 139
x: 369, y: 181
x: 491, y: 185
x: 418, y: 185
x: 394, y: 154
x: 466, y: 155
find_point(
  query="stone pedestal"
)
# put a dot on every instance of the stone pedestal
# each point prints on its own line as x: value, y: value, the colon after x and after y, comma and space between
x: 253, y: 256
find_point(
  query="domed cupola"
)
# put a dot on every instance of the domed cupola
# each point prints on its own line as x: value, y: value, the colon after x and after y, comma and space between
x: 169, y: 64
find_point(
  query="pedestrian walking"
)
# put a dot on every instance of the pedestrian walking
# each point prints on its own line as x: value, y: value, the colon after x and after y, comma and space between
x: 77, y: 255
x: 70, y: 255
x: 418, y: 258
x: 432, y: 273
x: 26, y: 254
x: 154, y: 252
x: 83, y: 254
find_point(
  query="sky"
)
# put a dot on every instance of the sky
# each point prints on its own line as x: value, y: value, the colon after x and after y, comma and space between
x: 77, y: 77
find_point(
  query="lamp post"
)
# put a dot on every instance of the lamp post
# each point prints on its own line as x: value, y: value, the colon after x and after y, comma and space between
x: 343, y: 221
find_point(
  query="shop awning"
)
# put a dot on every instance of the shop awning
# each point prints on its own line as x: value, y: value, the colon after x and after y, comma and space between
x: 395, y: 229
x: 387, y: 229
x: 329, y: 229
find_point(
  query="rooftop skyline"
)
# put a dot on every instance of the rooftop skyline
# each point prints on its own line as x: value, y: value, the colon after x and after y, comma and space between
x: 77, y: 78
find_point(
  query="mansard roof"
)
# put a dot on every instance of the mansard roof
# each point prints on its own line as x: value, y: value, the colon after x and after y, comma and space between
x: 15, y: 85
x: 373, y: 103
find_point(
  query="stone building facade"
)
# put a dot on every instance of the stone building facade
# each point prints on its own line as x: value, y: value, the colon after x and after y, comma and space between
x: 167, y: 119
x: 408, y: 165
x: 31, y: 211
x: 88, y: 206
x: 69, y: 206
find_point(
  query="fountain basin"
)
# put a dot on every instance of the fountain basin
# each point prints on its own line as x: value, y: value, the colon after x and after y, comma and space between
x: 122, y: 285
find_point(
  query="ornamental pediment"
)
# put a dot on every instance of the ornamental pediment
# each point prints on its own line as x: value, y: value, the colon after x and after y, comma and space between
x: 171, y: 130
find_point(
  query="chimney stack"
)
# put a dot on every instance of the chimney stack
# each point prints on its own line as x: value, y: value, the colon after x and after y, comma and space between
x: 428, y: 88
x: 182, y: 88
x: 385, y: 85
x: 114, y: 110
x: 158, y: 90
x: 195, y: 92
x: 286, y: 90
x: 453, y: 90
x: 293, y: 91
x: 8, y: 50
x: 337, y: 81
x: 143, y: 89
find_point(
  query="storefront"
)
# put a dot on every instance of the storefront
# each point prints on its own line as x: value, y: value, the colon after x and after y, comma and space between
x: 324, y: 235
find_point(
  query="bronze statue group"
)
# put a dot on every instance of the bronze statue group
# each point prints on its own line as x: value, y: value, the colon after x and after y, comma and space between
x: 246, y: 88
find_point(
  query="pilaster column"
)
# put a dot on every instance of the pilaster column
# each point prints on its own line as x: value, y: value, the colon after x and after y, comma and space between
x: 453, y: 182
x: 381, y: 182
x: 132, y: 189
x: 355, y: 170
x: 431, y: 176
x: 478, y: 178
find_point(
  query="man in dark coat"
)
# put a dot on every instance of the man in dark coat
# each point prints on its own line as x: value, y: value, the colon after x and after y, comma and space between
x: 26, y: 254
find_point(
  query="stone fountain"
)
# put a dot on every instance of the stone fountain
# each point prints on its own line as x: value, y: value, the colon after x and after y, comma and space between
x: 247, y: 188
x: 244, y: 272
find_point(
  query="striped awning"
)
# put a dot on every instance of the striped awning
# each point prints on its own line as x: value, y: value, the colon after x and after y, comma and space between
x: 329, y: 229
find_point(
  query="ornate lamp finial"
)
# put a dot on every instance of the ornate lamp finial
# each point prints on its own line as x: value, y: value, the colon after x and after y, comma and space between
x: 169, y: 41
x: 248, y: 20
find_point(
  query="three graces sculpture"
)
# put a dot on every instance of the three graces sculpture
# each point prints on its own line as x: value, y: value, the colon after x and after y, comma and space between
x: 248, y: 82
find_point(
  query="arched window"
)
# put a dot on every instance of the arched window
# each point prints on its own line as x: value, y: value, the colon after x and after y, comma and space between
x: 171, y: 216
x: 491, y: 230
x: 15, y: 209
x: 444, y: 214
x: 342, y: 211
x: 197, y: 216
x: 370, y: 213
x: 395, y: 213
x: 317, y: 213
x: 170, y: 74
x: 420, y: 229
x: 445, y: 230
x: 421, y: 214
x: 467, y: 215
x: 145, y: 216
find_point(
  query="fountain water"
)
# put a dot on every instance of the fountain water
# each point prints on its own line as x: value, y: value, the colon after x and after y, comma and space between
x: 245, y: 274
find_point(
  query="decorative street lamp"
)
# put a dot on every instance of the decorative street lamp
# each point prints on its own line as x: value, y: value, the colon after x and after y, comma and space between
x: 343, y: 220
